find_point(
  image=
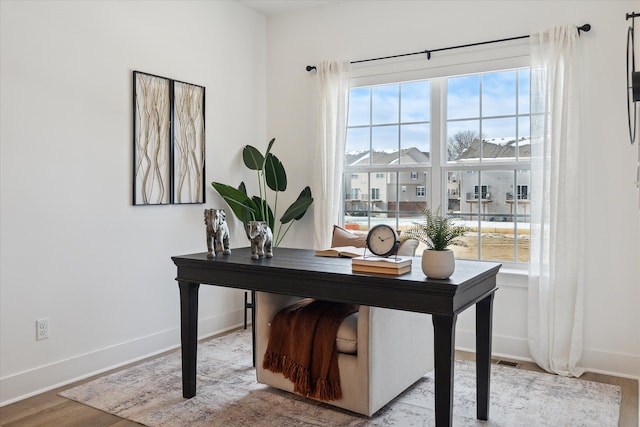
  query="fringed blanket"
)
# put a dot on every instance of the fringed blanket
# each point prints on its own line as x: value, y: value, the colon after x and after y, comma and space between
x: 302, y: 346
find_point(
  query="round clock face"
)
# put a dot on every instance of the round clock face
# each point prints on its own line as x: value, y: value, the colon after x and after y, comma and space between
x: 382, y: 240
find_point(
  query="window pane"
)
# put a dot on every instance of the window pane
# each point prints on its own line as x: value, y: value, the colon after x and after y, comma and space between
x: 374, y: 198
x: 499, y: 131
x: 463, y: 97
x: 415, y: 102
x: 499, y: 141
x: 521, y: 209
x: 357, y: 140
x: 384, y: 144
x: 499, y: 94
x: 385, y: 104
x: 524, y: 138
x: 412, y: 201
x: 356, y: 193
x: 415, y: 141
x: 359, y: 106
x: 524, y: 89
x: 463, y: 140
x: 493, y: 205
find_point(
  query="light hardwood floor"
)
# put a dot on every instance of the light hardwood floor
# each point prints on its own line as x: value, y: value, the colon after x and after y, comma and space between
x: 49, y: 409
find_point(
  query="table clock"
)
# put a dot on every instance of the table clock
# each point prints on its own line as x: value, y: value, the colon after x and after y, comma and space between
x: 382, y: 240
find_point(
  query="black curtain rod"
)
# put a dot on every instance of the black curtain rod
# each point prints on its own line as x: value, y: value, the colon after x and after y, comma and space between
x: 585, y: 28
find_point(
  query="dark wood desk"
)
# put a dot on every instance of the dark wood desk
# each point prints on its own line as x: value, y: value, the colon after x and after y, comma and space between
x: 298, y: 272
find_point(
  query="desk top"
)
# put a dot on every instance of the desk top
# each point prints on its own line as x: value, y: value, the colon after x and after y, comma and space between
x: 299, y: 272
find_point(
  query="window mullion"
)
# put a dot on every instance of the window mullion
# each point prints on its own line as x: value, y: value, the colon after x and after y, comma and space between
x: 438, y: 141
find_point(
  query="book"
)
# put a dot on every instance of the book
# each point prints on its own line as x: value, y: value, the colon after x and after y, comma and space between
x: 359, y: 268
x: 342, y: 251
x: 381, y: 262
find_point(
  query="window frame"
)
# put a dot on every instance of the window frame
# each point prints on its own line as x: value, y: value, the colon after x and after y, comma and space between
x: 438, y: 167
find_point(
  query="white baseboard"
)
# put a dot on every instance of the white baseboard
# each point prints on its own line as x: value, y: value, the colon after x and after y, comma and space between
x: 38, y: 380
x: 502, y: 346
x: 593, y: 360
x: 608, y: 363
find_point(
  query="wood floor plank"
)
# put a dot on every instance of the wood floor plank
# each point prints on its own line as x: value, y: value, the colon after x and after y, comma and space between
x: 67, y: 413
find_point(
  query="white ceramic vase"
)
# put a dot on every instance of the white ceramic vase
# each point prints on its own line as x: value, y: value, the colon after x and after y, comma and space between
x: 438, y: 264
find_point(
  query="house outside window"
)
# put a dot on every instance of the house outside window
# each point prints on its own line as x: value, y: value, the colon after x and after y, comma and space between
x: 467, y: 161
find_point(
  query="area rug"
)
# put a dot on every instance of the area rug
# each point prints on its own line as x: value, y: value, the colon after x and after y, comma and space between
x: 228, y: 395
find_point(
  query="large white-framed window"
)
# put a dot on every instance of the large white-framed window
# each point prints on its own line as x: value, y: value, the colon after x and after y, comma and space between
x: 457, y: 143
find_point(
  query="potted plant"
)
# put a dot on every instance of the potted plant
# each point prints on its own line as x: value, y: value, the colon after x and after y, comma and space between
x: 271, y: 176
x: 437, y: 233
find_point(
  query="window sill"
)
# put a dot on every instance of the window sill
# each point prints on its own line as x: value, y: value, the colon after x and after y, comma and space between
x: 513, y: 277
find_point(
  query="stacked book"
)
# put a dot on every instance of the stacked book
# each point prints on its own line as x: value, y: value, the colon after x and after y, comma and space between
x: 374, y: 264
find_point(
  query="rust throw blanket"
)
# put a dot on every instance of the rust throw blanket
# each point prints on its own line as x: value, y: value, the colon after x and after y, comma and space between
x: 302, y: 346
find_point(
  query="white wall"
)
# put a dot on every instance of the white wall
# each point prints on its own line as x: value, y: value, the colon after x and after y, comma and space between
x: 73, y: 249
x: 367, y: 29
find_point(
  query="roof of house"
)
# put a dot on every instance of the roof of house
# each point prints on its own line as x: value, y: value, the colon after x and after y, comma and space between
x: 503, y: 148
x: 409, y: 155
x: 493, y: 150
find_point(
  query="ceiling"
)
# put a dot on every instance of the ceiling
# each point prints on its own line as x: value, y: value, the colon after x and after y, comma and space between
x: 279, y: 7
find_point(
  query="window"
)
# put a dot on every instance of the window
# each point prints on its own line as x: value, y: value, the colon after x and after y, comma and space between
x: 523, y: 192
x: 485, y: 193
x: 469, y: 161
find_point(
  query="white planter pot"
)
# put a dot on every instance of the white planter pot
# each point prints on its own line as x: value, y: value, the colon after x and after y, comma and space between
x: 438, y: 264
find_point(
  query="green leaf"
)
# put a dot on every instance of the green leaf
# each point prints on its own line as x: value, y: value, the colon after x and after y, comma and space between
x: 275, y: 174
x: 299, y: 207
x: 241, y: 205
x: 436, y: 231
x: 304, y: 194
x: 269, y: 146
x: 242, y: 187
x: 259, y: 204
x: 253, y: 159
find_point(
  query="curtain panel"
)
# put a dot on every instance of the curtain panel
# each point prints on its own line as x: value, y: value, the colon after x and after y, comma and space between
x: 555, y: 317
x: 330, y: 137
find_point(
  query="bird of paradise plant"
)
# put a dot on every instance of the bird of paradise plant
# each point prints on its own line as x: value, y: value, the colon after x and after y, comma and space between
x: 271, y: 175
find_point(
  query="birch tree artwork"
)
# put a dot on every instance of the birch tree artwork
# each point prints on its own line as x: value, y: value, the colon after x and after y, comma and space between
x: 189, y: 143
x: 151, y: 140
x: 168, y: 141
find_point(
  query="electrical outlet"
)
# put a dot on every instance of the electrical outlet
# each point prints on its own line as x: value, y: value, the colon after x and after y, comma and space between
x: 42, y: 329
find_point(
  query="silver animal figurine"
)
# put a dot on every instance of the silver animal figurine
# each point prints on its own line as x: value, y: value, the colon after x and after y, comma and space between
x: 261, y: 239
x: 217, y: 232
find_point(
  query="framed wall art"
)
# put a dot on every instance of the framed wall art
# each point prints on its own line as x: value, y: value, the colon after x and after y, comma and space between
x: 168, y: 141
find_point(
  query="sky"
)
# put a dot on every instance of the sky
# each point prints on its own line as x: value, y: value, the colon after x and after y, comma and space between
x: 381, y: 106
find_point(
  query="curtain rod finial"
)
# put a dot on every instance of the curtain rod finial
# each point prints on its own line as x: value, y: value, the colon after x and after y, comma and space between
x: 586, y: 28
x: 310, y: 67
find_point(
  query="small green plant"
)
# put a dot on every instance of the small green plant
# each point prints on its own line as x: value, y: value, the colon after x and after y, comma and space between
x: 271, y: 175
x: 436, y: 231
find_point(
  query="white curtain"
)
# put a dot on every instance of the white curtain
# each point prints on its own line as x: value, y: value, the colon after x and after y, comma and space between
x: 557, y: 203
x: 331, y: 124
